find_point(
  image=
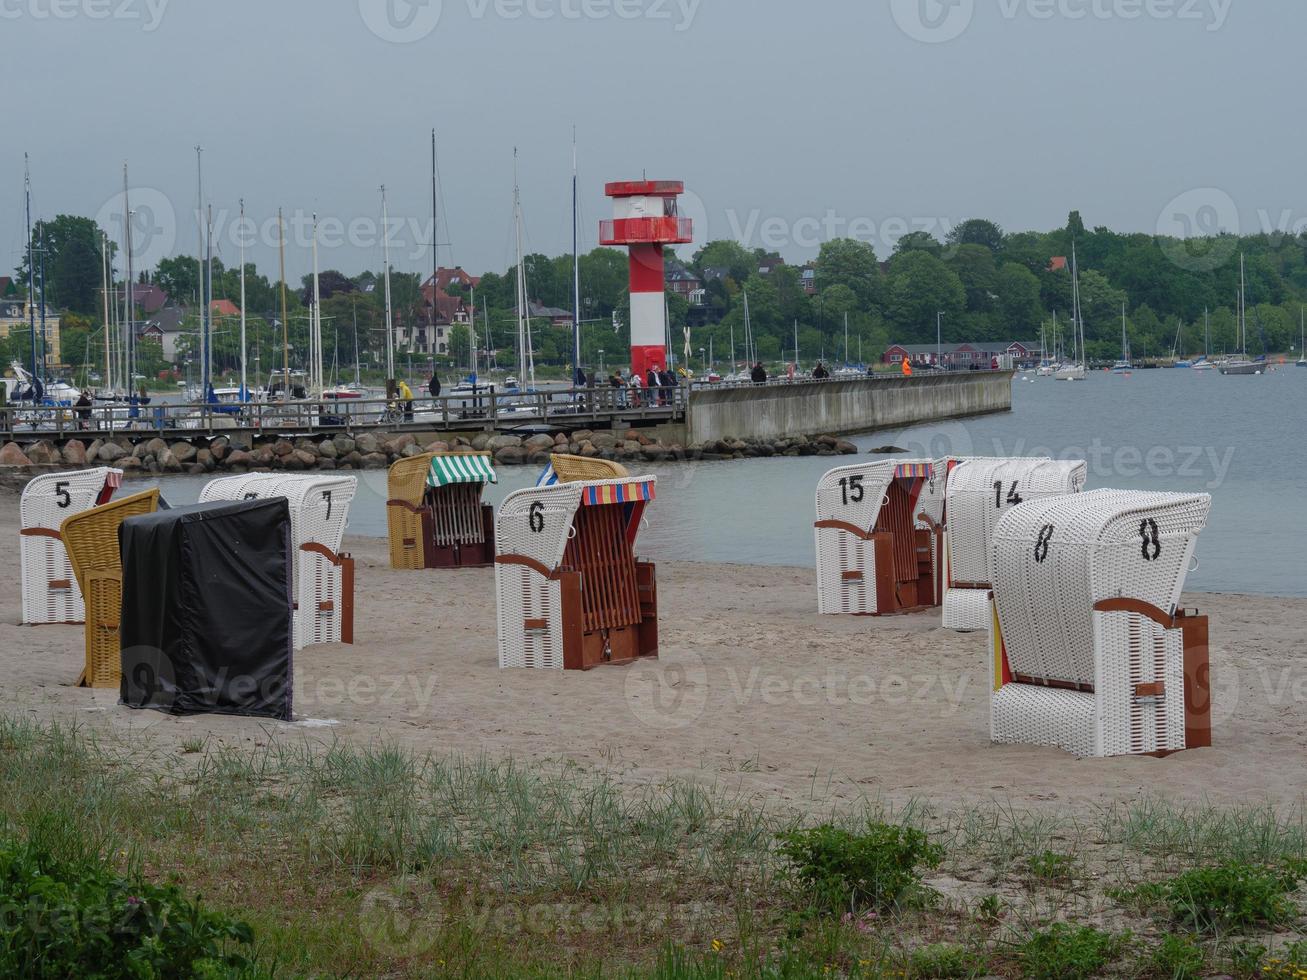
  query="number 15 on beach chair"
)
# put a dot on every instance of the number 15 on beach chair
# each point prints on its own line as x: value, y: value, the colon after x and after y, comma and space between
x: 872, y: 558
x: 571, y: 593
x: 1091, y: 652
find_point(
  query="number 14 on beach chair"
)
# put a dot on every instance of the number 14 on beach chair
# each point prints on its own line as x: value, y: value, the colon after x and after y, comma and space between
x: 872, y: 558
x: 571, y: 593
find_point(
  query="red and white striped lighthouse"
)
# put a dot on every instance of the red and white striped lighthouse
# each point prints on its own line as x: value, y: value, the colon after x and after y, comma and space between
x: 645, y: 219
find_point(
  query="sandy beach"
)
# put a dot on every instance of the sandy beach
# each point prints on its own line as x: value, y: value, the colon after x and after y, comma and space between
x: 753, y: 692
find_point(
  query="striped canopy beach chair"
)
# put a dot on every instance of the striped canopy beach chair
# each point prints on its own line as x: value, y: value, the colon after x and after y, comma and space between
x: 571, y: 593
x: 322, y: 576
x: 873, y: 559
x: 1091, y: 651
x: 50, y: 590
x: 435, y: 513
x: 978, y: 493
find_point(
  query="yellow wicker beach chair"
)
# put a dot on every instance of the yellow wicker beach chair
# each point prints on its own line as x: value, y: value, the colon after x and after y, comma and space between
x: 91, y: 538
x: 582, y: 469
x: 406, y: 489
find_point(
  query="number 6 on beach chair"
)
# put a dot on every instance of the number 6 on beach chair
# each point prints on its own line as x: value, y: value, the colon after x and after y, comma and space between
x: 978, y: 493
x: 872, y: 558
x: 50, y: 590
x: 1090, y: 651
x: 571, y: 593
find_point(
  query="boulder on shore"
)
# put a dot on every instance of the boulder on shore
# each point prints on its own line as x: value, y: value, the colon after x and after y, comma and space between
x: 11, y: 455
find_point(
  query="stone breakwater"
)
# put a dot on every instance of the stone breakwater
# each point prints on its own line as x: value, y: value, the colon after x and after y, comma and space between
x: 244, y: 452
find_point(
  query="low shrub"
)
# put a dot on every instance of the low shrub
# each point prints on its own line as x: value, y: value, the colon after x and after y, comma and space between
x: 1224, y: 897
x: 944, y: 962
x: 1177, y: 958
x: 1063, y: 952
x: 68, y: 919
x: 848, y: 872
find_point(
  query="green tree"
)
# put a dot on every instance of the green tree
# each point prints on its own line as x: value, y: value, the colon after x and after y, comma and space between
x: 977, y: 231
x: 850, y: 263
x: 67, y: 252
x: 1018, y: 300
x: 920, y: 286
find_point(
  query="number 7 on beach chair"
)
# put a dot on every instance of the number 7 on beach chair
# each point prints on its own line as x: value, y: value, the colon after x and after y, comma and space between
x: 571, y: 593
x: 872, y: 558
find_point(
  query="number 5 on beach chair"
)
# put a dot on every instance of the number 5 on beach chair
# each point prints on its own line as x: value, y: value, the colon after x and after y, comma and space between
x: 50, y: 590
x: 872, y: 558
x: 1091, y: 652
x: 571, y: 593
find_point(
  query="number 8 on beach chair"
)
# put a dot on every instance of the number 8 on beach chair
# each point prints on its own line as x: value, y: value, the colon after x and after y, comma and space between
x: 434, y: 512
x: 91, y: 538
x: 323, y: 577
x: 1090, y: 651
x: 50, y: 590
x: 978, y: 493
x: 872, y: 558
x: 571, y: 593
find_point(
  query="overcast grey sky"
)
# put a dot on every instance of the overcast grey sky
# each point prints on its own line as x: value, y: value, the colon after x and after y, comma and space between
x: 788, y: 121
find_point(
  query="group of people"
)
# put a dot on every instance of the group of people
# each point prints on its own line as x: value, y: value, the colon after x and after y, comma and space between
x: 653, y: 387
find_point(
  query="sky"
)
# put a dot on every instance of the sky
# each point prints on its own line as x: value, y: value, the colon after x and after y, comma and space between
x: 789, y: 122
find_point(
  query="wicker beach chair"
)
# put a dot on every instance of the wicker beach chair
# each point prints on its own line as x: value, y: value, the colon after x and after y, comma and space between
x: 435, y: 514
x: 91, y: 538
x: 571, y: 593
x: 323, y: 577
x: 580, y: 469
x: 50, y: 591
x: 979, y: 492
x: 873, y: 558
x: 1091, y: 652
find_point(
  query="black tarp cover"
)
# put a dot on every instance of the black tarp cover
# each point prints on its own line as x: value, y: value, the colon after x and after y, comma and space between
x: 206, y: 617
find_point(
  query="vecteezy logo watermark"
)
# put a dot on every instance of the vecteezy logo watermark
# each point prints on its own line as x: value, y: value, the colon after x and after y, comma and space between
x: 933, y: 21
x: 152, y: 220
x: 1198, y: 229
x: 937, y: 21
x: 149, y: 12
x: 669, y: 693
x: 389, y: 924
x: 401, y: 21
x: 406, y: 21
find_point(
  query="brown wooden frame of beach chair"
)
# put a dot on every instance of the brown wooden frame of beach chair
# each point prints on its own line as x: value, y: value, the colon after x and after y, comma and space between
x: 91, y: 539
x: 411, y: 520
x: 585, y: 469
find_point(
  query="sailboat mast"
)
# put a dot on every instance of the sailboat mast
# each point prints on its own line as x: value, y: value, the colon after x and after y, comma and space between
x: 846, y: 339
x: 31, y: 264
x: 104, y: 277
x: 285, y: 326
x: 526, y: 357
x: 1243, y: 310
x: 576, y: 265
x: 129, y: 302
x: 315, y: 323
x: 391, y: 387
x: 435, y: 250
x: 199, y: 265
x: 245, y: 391
x: 208, y: 309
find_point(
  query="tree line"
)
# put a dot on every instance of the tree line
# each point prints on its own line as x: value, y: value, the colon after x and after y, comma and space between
x: 988, y: 284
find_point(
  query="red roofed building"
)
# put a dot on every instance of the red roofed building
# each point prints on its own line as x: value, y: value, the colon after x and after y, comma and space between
x: 224, y: 307
x: 441, y: 310
x: 1057, y: 263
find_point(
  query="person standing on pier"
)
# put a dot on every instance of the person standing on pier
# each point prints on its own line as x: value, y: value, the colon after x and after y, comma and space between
x: 651, y: 383
x: 406, y: 397
x: 433, y: 385
x: 758, y: 374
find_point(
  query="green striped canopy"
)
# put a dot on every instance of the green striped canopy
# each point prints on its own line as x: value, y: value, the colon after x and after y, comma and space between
x: 446, y: 470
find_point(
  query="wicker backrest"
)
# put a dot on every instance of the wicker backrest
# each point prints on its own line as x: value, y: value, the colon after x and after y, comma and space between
x: 91, y: 537
x: 582, y: 469
x: 407, y: 479
x: 1053, y: 559
x: 981, y: 490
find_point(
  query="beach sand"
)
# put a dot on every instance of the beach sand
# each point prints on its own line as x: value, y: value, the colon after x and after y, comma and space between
x: 753, y: 692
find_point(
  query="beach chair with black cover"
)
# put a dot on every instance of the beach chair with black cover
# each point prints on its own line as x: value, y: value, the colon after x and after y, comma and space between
x: 873, y: 558
x: 50, y: 590
x: 571, y: 593
x: 1091, y: 650
x: 206, y: 609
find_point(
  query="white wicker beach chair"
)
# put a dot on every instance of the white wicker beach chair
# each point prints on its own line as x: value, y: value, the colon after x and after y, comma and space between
x: 873, y: 558
x: 1091, y: 653
x: 979, y: 492
x: 50, y: 591
x: 323, y: 577
x: 571, y: 593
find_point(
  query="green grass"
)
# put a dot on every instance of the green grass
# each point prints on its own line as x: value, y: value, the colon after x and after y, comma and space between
x: 363, y: 860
